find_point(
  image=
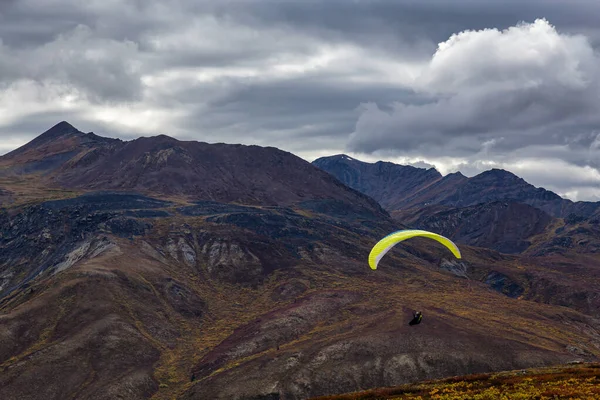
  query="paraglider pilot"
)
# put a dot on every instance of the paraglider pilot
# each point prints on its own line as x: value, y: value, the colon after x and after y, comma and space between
x: 417, y: 317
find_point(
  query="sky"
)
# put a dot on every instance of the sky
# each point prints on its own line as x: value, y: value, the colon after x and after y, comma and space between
x: 462, y: 85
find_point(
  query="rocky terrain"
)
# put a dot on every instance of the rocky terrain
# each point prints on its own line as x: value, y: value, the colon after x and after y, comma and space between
x: 502, y: 226
x: 143, y: 282
x: 421, y: 187
x: 495, y: 209
x: 388, y: 183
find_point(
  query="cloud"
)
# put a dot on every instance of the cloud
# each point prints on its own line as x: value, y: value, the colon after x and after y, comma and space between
x: 305, y: 76
x: 527, y: 92
x: 528, y: 84
x: 83, y: 65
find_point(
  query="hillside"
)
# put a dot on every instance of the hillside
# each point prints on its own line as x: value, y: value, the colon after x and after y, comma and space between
x: 428, y: 187
x: 390, y: 184
x: 502, y: 226
x: 249, y: 302
x: 118, y: 287
x: 495, y: 209
x: 66, y: 158
x: 578, y: 381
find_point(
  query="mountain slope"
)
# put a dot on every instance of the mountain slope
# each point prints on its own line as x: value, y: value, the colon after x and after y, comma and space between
x: 224, y: 301
x: 161, y: 165
x: 502, y: 226
x: 455, y: 190
x: 385, y: 182
x: 169, y: 293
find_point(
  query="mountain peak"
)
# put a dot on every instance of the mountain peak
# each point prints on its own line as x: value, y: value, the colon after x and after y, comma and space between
x: 384, y: 181
x: 344, y: 158
x: 63, y: 125
x: 162, y: 136
x: 60, y: 129
x: 337, y: 157
x: 498, y: 174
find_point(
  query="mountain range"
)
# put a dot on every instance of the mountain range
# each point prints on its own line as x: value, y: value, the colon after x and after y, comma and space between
x: 400, y: 187
x: 158, y: 268
x: 495, y: 209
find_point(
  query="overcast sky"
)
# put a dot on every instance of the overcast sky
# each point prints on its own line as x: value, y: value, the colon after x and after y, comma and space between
x: 462, y: 85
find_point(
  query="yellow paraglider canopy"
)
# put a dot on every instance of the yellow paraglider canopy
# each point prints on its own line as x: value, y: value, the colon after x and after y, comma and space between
x: 385, y: 244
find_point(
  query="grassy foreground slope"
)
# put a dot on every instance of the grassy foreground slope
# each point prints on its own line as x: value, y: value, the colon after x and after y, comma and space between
x: 560, y: 382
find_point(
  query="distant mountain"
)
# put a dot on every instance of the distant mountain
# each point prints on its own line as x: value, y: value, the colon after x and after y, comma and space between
x: 71, y: 159
x: 388, y: 183
x: 501, y: 185
x: 50, y: 150
x: 402, y: 187
x: 495, y: 209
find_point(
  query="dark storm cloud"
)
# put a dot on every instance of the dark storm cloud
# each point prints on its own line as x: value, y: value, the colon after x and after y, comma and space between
x: 310, y: 76
x: 529, y: 89
x: 396, y: 24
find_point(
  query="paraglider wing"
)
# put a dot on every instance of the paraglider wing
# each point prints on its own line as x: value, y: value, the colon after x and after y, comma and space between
x: 386, y: 244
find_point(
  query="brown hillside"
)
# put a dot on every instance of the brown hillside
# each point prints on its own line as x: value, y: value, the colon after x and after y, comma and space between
x: 242, y: 274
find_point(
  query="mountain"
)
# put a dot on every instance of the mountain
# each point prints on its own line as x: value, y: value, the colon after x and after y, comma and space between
x: 156, y: 268
x: 502, y: 226
x: 52, y: 149
x: 404, y: 188
x: 110, y: 174
x: 162, y: 165
x: 495, y: 209
x: 390, y: 184
x: 501, y: 185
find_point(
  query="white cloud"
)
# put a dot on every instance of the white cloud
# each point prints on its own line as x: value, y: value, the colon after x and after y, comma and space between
x: 525, y: 97
x: 95, y: 68
x: 524, y: 84
x: 25, y: 97
x: 522, y: 56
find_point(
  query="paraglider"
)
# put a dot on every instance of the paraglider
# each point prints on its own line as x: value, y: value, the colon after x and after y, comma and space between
x: 386, y: 244
x: 417, y: 317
